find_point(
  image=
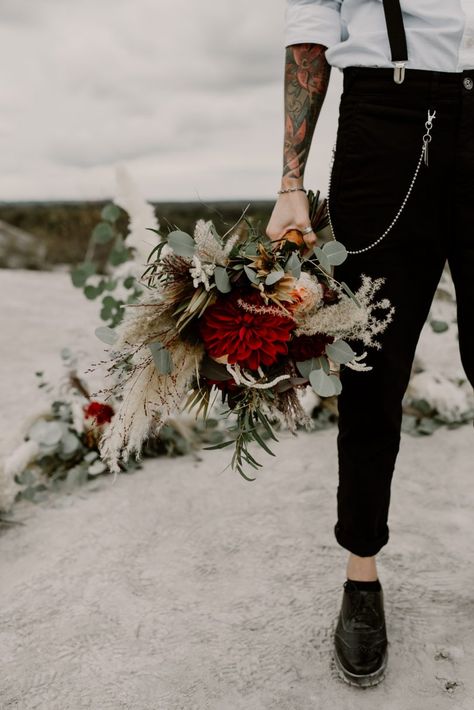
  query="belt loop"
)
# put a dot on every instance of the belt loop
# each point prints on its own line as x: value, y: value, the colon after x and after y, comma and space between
x: 396, y: 37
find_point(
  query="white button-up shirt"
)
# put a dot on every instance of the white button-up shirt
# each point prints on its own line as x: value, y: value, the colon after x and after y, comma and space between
x: 440, y: 33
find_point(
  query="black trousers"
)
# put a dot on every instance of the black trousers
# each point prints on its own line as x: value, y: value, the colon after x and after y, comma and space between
x: 379, y: 140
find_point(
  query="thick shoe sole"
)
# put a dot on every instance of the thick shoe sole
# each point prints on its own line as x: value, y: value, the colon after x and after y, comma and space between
x: 360, y: 681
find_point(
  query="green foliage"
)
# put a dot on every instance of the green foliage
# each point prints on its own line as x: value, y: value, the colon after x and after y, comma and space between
x: 111, y: 213
x: 439, y: 326
x: 85, y: 274
x: 323, y: 384
x: 103, y: 233
x: 106, y: 334
x: 273, y: 277
x: 222, y: 279
x: 81, y: 273
x: 161, y: 358
x: 340, y: 352
x: 307, y: 366
x: 181, y: 243
x: 251, y: 426
x: 293, y: 265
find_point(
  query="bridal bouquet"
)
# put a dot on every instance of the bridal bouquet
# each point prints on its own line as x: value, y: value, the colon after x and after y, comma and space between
x: 240, y: 317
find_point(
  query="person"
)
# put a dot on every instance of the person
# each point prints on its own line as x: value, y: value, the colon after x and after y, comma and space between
x: 400, y: 200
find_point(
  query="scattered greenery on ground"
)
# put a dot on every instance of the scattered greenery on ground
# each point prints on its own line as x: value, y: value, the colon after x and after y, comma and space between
x: 64, y: 440
x: 420, y: 418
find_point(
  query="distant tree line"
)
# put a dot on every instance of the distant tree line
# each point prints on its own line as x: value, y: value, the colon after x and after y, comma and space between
x: 65, y: 227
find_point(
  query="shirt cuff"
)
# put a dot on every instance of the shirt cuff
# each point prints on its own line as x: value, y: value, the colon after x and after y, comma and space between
x: 308, y: 22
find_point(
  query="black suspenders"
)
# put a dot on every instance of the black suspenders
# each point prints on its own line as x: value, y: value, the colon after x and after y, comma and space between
x: 396, y: 37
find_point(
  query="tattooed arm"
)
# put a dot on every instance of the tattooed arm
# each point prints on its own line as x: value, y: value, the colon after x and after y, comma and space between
x: 306, y: 80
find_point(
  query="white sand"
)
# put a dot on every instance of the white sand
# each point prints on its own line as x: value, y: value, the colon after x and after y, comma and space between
x: 180, y: 586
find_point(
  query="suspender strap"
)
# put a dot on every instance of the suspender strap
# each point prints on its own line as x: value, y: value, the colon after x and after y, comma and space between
x: 396, y: 37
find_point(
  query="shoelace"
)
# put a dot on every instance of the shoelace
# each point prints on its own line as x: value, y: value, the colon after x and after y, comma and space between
x: 363, y: 611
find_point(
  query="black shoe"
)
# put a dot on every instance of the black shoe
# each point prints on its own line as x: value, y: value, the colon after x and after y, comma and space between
x: 360, y: 640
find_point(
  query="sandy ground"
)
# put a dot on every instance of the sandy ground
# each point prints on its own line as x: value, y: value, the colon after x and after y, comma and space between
x: 184, y: 587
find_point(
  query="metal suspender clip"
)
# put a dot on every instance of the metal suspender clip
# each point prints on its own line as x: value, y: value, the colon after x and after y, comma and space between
x: 397, y: 38
x: 399, y: 72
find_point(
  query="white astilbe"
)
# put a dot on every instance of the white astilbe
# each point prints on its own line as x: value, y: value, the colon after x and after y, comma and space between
x: 208, y: 247
x: 357, y: 364
x: 200, y: 272
x: 149, y: 397
x: 346, y: 319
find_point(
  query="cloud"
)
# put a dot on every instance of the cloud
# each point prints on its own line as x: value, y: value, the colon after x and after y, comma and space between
x: 189, y: 95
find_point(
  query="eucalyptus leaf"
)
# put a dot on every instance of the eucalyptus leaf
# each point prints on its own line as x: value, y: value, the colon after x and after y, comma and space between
x: 75, y: 476
x: 335, y: 252
x: 323, y: 259
x: 324, y: 385
x: 129, y: 282
x: 273, y: 277
x: 305, y: 367
x: 110, y: 213
x: 103, y: 233
x: 81, y: 273
x: 96, y: 468
x: 251, y: 275
x: 91, y: 292
x: 106, y: 334
x: 26, y: 477
x: 340, y: 352
x: 422, y: 406
x: 69, y: 444
x: 222, y: 279
x: 161, y: 357
x: 409, y: 422
x: 47, y: 433
x: 119, y: 256
x: 293, y: 265
x: 427, y: 425
x: 181, y: 243
x: 439, y: 326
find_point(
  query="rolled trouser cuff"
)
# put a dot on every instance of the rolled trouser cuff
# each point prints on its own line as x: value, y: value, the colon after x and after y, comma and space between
x: 360, y: 547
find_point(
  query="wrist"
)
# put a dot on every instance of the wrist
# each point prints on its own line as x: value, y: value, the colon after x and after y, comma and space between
x: 291, y: 181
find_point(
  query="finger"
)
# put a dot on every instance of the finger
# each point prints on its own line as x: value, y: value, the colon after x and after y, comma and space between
x: 310, y: 239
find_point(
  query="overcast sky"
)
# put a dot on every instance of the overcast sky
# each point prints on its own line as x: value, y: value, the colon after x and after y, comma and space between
x: 187, y: 94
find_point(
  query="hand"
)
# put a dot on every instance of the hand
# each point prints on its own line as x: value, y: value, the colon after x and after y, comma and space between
x: 291, y: 211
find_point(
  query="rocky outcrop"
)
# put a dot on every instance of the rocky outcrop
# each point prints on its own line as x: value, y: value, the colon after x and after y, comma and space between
x: 19, y: 249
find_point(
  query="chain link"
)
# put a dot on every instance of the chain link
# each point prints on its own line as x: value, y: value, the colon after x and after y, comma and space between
x: 423, y: 156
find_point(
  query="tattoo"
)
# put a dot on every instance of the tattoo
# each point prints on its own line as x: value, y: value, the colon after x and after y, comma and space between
x: 306, y: 80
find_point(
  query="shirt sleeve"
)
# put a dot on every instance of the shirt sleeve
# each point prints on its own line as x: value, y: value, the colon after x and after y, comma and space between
x: 315, y: 21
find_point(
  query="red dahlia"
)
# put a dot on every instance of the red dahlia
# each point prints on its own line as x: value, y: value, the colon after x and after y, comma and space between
x: 249, y: 338
x: 102, y: 413
x: 304, y: 347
